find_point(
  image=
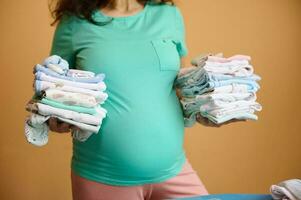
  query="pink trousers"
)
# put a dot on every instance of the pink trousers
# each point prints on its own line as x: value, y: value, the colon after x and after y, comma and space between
x: 185, y: 184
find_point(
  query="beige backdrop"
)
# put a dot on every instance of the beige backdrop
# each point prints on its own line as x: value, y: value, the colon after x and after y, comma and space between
x: 238, y: 158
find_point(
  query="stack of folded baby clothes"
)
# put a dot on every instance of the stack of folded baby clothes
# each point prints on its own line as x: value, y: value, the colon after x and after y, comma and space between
x: 70, y: 95
x: 218, y: 88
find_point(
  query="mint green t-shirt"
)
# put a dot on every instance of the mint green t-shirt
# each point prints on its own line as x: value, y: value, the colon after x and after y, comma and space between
x: 141, y: 139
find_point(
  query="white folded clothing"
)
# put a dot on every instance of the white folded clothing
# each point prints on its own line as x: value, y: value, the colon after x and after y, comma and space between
x: 221, y: 59
x: 235, y: 107
x: 236, y: 68
x: 231, y: 88
x: 80, y: 73
x: 71, y: 98
x: 237, y: 115
x: 100, y: 96
x: 231, y: 64
x: 82, y: 126
x: 226, y: 97
x: 92, y: 86
x: 217, y: 104
x: 46, y: 110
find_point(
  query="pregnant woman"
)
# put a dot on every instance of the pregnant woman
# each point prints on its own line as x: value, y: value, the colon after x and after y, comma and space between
x: 138, y: 152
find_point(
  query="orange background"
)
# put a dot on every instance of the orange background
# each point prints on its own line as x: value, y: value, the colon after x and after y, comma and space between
x: 237, y: 158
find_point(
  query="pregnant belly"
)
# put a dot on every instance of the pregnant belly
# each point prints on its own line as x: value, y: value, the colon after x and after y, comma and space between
x: 136, y: 142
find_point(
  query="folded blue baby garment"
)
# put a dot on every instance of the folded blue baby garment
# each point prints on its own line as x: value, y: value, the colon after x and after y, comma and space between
x: 96, y: 79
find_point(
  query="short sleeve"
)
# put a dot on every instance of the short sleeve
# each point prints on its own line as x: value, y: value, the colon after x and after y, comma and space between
x: 62, y: 43
x: 180, y: 33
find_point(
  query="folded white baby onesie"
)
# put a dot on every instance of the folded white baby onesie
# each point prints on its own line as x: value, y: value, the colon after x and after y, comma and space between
x: 92, y: 86
x: 80, y: 73
x: 287, y: 190
x: 236, y: 115
x: 220, y: 108
x: 100, y: 96
x: 70, y: 98
x: 226, y: 97
x: 231, y: 88
x: 82, y: 126
x: 46, y: 110
x: 237, y: 68
x: 221, y: 59
x: 228, y: 111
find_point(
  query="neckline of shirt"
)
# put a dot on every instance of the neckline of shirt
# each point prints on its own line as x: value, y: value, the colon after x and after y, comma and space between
x: 141, y: 12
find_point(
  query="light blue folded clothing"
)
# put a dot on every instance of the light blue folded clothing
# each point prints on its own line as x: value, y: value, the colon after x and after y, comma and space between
x: 199, y: 81
x: 200, y: 74
x: 58, y: 61
x: 96, y: 79
x: 206, y: 86
x: 92, y: 86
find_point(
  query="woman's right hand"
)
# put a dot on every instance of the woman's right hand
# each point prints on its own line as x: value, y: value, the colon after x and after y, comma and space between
x: 61, y: 127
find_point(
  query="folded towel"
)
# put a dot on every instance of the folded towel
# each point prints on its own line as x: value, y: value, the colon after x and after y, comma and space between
x: 236, y: 115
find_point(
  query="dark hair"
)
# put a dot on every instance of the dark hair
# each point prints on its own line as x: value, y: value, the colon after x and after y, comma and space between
x: 84, y: 8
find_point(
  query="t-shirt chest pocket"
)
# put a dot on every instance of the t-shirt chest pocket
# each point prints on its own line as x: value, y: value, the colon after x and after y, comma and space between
x: 167, y: 54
